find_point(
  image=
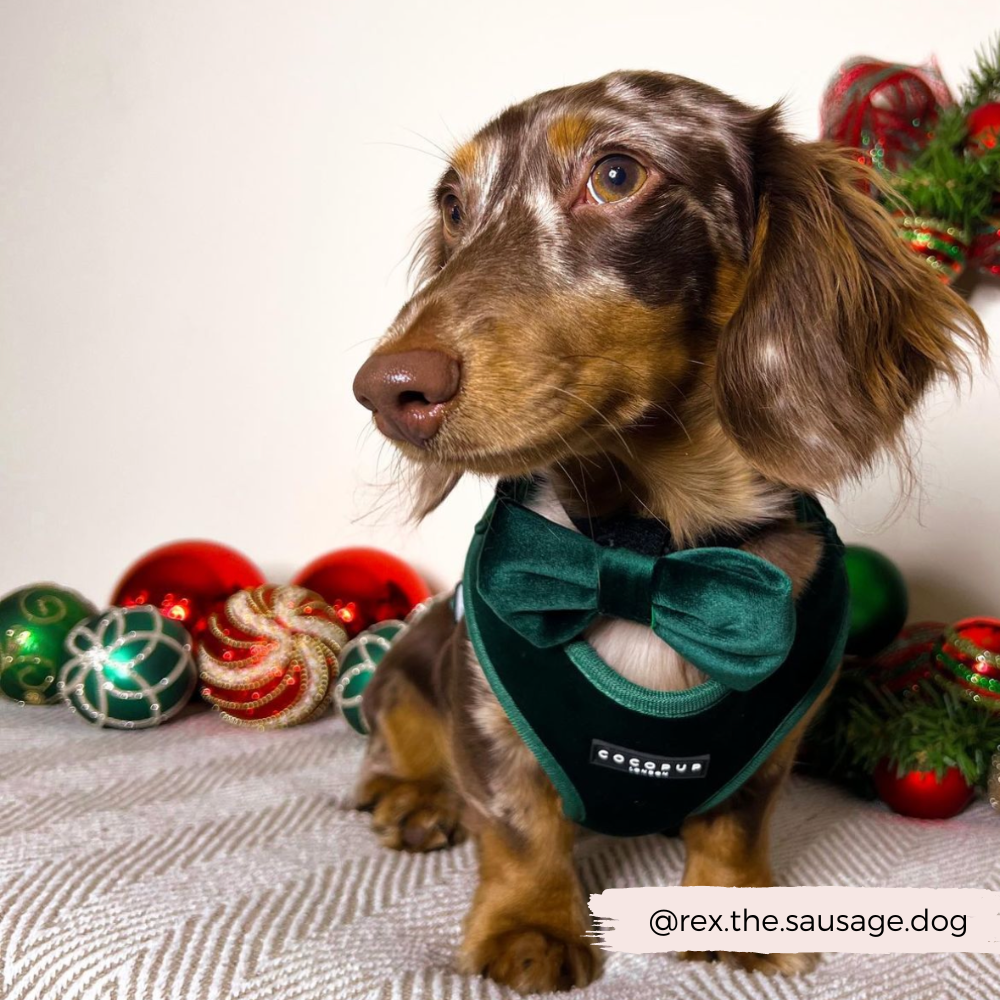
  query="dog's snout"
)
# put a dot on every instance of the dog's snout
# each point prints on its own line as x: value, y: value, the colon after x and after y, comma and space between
x: 407, y: 392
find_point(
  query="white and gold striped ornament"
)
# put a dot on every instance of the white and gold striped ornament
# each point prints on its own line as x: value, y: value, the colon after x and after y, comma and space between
x: 270, y: 659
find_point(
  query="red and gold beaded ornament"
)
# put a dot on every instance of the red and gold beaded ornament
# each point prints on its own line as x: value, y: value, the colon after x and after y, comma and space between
x: 269, y: 658
x: 967, y: 657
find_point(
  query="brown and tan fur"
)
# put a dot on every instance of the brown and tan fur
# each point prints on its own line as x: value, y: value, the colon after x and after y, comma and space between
x: 746, y: 324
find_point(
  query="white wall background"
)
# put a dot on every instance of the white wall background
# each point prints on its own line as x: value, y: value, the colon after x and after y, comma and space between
x: 205, y: 210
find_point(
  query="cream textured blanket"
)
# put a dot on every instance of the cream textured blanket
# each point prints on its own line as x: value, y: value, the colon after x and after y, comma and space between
x: 204, y: 862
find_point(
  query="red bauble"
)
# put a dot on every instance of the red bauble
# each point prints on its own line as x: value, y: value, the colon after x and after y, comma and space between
x: 919, y: 793
x: 187, y: 581
x: 364, y: 586
x: 984, y: 126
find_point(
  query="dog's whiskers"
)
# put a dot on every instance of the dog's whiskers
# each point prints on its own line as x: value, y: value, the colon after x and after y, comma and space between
x: 572, y: 482
x: 444, y: 152
x: 668, y: 411
x: 664, y: 408
x: 610, y: 425
x: 403, y: 145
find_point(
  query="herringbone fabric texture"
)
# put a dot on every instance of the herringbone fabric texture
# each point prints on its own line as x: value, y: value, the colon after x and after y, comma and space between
x: 203, y: 862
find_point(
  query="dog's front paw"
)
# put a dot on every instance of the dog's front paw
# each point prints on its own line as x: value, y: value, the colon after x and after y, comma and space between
x: 533, y: 959
x: 775, y: 963
x: 414, y: 816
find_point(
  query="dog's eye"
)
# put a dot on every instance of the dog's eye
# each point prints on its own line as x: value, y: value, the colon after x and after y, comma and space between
x: 452, y: 213
x: 615, y: 178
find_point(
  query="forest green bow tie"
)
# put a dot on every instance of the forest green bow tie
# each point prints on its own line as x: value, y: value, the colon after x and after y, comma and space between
x: 728, y: 612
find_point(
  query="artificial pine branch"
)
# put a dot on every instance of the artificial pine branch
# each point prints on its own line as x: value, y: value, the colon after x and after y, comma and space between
x: 945, y: 182
x: 936, y: 731
x: 984, y: 81
x: 949, y: 182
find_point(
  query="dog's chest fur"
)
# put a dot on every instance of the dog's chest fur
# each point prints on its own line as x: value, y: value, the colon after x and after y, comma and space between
x: 631, y: 649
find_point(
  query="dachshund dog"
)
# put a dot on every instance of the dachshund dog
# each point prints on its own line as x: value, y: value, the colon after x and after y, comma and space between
x: 650, y: 298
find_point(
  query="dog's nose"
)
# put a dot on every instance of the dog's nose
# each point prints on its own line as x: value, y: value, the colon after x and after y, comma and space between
x: 407, y: 392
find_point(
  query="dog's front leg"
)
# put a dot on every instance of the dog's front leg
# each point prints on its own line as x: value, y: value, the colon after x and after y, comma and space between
x: 528, y: 919
x: 406, y: 779
x: 527, y: 924
x: 730, y: 846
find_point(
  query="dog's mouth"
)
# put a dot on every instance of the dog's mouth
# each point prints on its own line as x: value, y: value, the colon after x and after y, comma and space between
x: 469, y: 440
x: 415, y: 424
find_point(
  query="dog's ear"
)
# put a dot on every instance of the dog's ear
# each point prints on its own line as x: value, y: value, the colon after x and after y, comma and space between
x: 840, y: 327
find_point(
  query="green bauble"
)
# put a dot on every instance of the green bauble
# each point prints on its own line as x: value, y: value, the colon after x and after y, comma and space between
x: 878, y: 600
x: 34, y: 623
x: 358, y: 660
x: 130, y: 668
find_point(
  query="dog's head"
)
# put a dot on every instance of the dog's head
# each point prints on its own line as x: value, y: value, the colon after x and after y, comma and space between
x: 606, y: 256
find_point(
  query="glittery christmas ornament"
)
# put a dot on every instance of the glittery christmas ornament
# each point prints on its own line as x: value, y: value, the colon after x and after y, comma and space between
x: 364, y: 586
x: 968, y: 657
x: 269, y: 658
x: 943, y: 246
x: 921, y: 794
x: 34, y: 623
x: 130, y: 668
x: 993, y: 782
x: 907, y: 661
x: 886, y: 110
x: 879, y: 600
x: 187, y: 581
x: 358, y: 661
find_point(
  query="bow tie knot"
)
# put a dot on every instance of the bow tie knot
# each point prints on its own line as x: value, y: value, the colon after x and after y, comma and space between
x: 625, y: 585
x: 726, y: 611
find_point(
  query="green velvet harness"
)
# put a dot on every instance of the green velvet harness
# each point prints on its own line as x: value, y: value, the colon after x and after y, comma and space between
x: 627, y: 760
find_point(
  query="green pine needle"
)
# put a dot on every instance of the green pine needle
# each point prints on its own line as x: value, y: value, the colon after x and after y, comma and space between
x: 938, y: 730
x: 949, y: 181
x: 984, y: 81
